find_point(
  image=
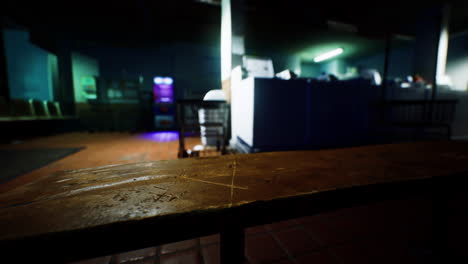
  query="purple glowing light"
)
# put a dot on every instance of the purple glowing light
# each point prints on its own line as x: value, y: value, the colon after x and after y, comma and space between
x: 163, y: 90
x: 163, y: 136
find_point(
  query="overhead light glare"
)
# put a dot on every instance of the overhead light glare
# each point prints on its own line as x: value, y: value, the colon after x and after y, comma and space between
x: 328, y: 55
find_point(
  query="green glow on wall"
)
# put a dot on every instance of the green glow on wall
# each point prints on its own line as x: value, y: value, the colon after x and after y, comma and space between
x: 84, y: 70
x: 88, y: 87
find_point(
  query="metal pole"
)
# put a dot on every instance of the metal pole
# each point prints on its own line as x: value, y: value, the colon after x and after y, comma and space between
x: 388, y: 43
x: 232, y: 245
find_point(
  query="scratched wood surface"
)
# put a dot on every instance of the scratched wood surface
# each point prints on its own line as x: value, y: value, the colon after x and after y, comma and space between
x: 86, y: 198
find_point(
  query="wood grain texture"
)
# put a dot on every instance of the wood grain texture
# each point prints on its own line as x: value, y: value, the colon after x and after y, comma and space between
x: 162, y: 195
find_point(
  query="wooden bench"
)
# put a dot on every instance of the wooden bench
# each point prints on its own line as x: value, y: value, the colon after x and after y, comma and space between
x: 21, y: 118
x: 86, y: 213
x: 20, y: 110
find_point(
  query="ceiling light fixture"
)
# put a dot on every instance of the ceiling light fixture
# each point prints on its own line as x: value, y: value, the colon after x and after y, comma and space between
x: 328, y: 55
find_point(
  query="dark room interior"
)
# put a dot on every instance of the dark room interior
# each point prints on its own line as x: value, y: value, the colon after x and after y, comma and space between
x: 233, y: 131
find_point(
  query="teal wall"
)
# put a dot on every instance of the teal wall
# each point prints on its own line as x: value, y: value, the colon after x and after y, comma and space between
x: 336, y: 67
x: 283, y: 62
x: 28, y: 67
x: 310, y: 70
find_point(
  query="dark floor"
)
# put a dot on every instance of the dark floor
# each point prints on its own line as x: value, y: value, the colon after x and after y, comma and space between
x: 386, y: 232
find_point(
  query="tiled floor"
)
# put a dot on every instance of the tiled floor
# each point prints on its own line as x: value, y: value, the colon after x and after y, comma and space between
x: 101, y: 149
x: 385, y: 232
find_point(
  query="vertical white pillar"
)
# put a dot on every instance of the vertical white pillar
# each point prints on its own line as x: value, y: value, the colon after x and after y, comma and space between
x: 431, y: 45
x: 226, y: 40
x: 443, y: 46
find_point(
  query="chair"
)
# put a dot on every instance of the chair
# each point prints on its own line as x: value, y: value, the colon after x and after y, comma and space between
x: 419, y: 114
x: 41, y: 109
x: 22, y: 109
x: 4, y: 108
x: 207, y: 117
x: 54, y: 109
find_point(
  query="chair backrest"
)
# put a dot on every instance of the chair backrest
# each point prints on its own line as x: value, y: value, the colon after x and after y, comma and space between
x: 21, y: 107
x: 420, y: 110
x: 41, y: 109
x: 54, y: 109
x: 188, y: 112
x: 443, y: 110
x: 213, y: 111
x: 4, y: 107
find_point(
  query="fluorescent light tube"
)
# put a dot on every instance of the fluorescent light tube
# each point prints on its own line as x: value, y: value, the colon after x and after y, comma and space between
x: 328, y: 55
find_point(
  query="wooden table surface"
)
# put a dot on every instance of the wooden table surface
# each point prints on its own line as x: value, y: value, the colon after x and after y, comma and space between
x: 107, y: 203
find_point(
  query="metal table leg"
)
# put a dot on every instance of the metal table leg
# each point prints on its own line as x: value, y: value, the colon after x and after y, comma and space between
x: 232, y: 246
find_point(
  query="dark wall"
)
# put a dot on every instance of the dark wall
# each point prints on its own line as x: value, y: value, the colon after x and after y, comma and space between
x: 282, y: 60
x: 195, y: 68
x: 401, y: 61
x: 401, y: 64
x: 4, y: 91
x: 336, y: 67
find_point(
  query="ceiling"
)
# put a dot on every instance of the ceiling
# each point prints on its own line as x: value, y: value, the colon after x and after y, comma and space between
x: 302, y: 26
x: 125, y: 23
x: 373, y: 18
x: 289, y: 26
